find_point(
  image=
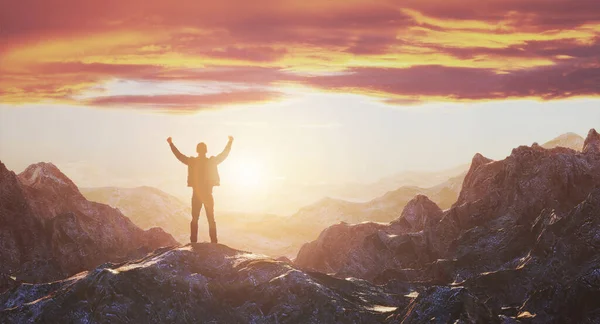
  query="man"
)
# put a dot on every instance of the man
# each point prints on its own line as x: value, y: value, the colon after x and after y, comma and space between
x: 203, y: 175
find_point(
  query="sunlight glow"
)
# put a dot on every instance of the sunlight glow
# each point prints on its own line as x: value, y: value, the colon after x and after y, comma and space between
x: 247, y: 173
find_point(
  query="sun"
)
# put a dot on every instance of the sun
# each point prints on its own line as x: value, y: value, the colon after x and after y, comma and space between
x: 249, y: 176
x: 247, y: 173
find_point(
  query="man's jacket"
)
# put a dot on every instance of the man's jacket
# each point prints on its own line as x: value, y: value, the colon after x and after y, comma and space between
x: 202, y: 171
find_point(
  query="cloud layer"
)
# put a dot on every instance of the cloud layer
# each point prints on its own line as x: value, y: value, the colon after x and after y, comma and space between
x: 248, y: 51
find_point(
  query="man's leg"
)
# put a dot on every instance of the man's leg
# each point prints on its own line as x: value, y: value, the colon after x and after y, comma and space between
x: 196, y: 206
x: 209, y: 205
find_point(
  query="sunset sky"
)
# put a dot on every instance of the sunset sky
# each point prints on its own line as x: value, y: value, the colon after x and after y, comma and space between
x: 313, y: 91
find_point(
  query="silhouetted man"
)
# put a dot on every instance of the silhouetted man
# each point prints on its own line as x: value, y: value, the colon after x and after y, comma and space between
x: 203, y: 175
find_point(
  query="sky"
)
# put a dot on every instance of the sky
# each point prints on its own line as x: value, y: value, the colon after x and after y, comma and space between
x: 312, y: 91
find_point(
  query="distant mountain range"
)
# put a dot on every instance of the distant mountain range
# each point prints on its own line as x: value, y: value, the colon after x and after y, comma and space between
x: 569, y: 140
x: 269, y: 234
x: 381, y: 209
x: 150, y: 207
x: 367, y: 192
x: 147, y: 207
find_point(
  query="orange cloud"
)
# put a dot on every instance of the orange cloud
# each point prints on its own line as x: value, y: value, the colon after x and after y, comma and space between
x: 185, y: 102
x: 410, y: 85
x: 402, y: 52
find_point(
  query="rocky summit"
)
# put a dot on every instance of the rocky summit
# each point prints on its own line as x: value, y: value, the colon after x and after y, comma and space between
x: 201, y: 282
x: 521, y: 241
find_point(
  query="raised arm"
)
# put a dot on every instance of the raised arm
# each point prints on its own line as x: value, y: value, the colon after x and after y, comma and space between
x: 223, y: 155
x: 184, y: 159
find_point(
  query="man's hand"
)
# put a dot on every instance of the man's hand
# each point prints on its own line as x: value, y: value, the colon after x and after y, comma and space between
x: 169, y: 140
x: 231, y: 138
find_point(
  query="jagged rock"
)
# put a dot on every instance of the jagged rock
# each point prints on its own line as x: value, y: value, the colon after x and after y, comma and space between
x: 24, y: 248
x: 445, y: 305
x: 419, y: 212
x: 331, y: 251
x: 563, y: 268
x: 49, y: 191
x: 7, y: 282
x: 555, y: 280
x: 527, y: 181
x: 592, y: 142
x: 367, y: 250
x: 201, y: 283
x: 48, y: 230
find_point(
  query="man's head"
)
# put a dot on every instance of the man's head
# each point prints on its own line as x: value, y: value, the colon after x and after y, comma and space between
x: 201, y: 148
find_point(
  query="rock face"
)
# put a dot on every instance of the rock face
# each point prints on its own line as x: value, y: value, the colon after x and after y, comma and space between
x: 522, y: 237
x: 419, y: 213
x: 368, y: 249
x: 335, y: 246
x: 451, y: 305
x: 203, y: 282
x: 48, y: 230
x: 592, y: 142
x: 22, y: 235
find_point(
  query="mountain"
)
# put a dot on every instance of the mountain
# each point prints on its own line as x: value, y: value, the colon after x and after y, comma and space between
x: 568, y: 140
x: 50, y: 231
x: 422, y: 179
x: 385, y: 208
x: 294, y: 197
x: 519, y: 245
x: 522, y: 237
x: 201, y: 282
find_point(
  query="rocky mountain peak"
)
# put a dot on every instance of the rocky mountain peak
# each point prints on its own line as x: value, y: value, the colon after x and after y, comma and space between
x: 49, y: 191
x: 592, y: 142
x: 477, y: 161
x: 419, y: 212
x: 44, y: 174
x: 3, y: 170
x: 7, y: 176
